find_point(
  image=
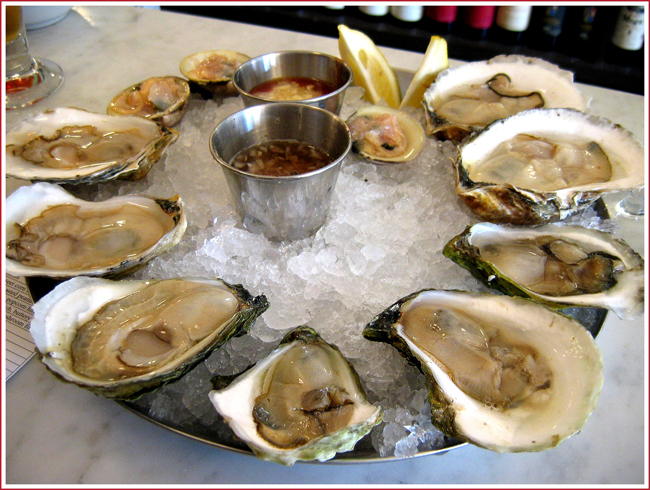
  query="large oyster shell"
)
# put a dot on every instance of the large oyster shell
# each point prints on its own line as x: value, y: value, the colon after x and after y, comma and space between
x: 302, y: 402
x: 469, y: 97
x: 52, y: 233
x: 504, y: 373
x: 123, y: 339
x: 559, y: 266
x: 47, y: 147
x: 161, y: 99
x: 505, y: 179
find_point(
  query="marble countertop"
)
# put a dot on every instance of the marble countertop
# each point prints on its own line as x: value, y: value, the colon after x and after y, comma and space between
x: 59, y: 434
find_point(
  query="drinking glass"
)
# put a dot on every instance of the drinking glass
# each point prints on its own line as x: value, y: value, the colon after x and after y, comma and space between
x: 28, y: 79
x: 632, y: 205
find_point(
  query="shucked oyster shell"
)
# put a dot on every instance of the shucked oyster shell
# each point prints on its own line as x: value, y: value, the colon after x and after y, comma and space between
x: 543, y: 165
x: 467, y: 98
x: 210, y: 72
x: 504, y: 373
x: 558, y: 266
x: 161, y: 99
x: 382, y: 134
x: 123, y: 339
x: 303, y: 402
x: 74, y: 146
x: 52, y: 233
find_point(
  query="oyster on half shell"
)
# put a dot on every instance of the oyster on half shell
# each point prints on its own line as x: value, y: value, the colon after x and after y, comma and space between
x: 467, y: 98
x: 161, y: 99
x: 210, y: 72
x: 382, y: 134
x: 543, y: 165
x: 503, y: 373
x: 52, y: 233
x: 74, y: 146
x: 121, y: 339
x: 559, y: 266
x: 302, y: 402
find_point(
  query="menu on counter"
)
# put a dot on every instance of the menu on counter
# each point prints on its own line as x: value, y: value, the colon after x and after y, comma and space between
x: 18, y: 304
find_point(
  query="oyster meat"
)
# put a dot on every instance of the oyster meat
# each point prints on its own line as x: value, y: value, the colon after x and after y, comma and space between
x: 52, y: 233
x: 210, y: 72
x: 503, y: 373
x: 303, y: 402
x: 543, y: 165
x: 161, y: 99
x: 123, y: 339
x: 385, y: 135
x: 74, y: 146
x: 469, y: 97
x: 559, y: 266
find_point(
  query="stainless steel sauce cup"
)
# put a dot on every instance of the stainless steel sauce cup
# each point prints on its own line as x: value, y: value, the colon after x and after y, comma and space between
x: 282, y: 208
x: 309, y: 64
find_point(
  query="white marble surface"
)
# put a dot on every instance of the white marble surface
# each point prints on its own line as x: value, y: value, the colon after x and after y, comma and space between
x: 56, y: 433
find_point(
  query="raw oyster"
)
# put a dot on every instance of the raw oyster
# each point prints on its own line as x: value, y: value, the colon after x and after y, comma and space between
x: 385, y: 135
x: 559, y: 266
x: 503, y: 373
x: 543, y: 165
x: 210, y: 72
x: 303, y: 402
x: 52, y: 233
x: 74, y: 146
x: 123, y: 339
x: 161, y: 99
x: 469, y: 97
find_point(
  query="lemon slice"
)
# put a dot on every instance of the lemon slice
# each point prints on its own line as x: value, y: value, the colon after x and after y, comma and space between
x: 435, y: 60
x: 370, y: 67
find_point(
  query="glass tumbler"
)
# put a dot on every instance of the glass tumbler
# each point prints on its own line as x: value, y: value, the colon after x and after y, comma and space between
x: 28, y: 79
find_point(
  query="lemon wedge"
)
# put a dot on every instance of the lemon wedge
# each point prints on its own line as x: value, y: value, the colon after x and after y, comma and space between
x: 435, y: 60
x: 369, y: 66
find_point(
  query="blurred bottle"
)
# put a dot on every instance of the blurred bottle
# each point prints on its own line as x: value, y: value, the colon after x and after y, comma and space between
x: 477, y: 20
x: 407, y: 13
x: 581, y: 38
x: 547, y: 27
x: 627, y: 40
x: 374, y: 10
x: 511, y: 23
x: 443, y: 18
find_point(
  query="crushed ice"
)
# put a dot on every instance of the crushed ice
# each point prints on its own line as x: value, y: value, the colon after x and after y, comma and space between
x: 383, y: 239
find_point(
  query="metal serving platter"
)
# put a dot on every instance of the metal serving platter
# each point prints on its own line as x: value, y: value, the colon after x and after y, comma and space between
x: 219, y: 434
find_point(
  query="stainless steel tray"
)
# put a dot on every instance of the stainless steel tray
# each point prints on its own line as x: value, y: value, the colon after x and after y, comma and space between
x: 219, y: 434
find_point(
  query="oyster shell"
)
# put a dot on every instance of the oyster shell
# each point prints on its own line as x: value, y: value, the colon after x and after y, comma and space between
x: 210, y: 72
x: 543, y: 165
x: 385, y: 135
x: 161, y: 99
x: 74, y: 146
x: 52, y: 233
x: 303, y: 402
x: 559, y: 266
x: 123, y: 339
x: 469, y: 97
x: 503, y: 373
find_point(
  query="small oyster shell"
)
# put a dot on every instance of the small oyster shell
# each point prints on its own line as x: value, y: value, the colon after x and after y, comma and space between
x: 46, y: 147
x: 210, y: 72
x: 161, y: 99
x: 52, y: 233
x: 558, y: 266
x: 503, y: 373
x: 123, y: 339
x: 303, y: 402
x: 469, y: 97
x: 382, y: 134
x: 562, y: 185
